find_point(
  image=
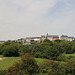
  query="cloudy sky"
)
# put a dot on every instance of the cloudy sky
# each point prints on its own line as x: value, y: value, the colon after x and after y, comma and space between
x: 24, y: 18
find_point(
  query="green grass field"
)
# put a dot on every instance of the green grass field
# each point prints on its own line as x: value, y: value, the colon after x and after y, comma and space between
x: 71, y: 56
x: 8, y: 61
x: 39, y: 60
x: 67, y: 55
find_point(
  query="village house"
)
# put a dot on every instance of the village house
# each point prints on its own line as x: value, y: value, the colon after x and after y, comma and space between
x: 71, y: 39
x: 50, y: 37
x: 1, y: 42
x: 64, y: 37
x: 31, y: 40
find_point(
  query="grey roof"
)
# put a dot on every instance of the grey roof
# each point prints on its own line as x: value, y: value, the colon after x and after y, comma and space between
x: 2, y: 41
x: 33, y: 37
x: 43, y: 36
x: 64, y: 36
x: 71, y: 37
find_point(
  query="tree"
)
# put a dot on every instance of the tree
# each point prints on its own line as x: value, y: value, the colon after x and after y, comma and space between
x: 10, y: 50
x: 51, y: 68
x: 61, y: 57
x: 73, y: 49
x: 27, y: 66
x: 25, y: 49
x: 70, y: 68
x: 66, y: 47
x: 47, y: 42
x: 38, y: 55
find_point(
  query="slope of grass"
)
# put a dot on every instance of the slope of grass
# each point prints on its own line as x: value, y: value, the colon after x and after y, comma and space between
x: 70, y: 56
x: 39, y: 60
x: 67, y: 55
x: 7, y: 62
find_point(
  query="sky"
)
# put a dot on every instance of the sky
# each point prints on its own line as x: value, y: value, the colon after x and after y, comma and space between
x: 29, y: 18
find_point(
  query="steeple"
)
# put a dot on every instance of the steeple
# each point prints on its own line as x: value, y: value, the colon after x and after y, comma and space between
x: 46, y: 35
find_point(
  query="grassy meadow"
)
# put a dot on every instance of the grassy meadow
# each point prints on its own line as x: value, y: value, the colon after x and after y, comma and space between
x: 67, y: 55
x: 6, y: 62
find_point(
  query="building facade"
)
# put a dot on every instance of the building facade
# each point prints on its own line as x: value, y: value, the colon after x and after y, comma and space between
x: 71, y: 39
x: 64, y: 37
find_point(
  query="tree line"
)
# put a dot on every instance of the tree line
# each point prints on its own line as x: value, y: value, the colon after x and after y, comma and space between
x: 46, y: 49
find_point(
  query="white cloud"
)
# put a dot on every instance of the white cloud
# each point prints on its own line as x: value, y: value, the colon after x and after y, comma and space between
x: 21, y: 18
x: 24, y: 10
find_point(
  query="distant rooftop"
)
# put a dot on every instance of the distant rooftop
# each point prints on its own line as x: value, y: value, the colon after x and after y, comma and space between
x: 64, y: 36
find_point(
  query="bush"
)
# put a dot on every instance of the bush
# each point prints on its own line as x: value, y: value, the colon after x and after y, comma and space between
x: 61, y: 57
x: 27, y: 65
x: 73, y: 49
x: 51, y: 68
x: 38, y: 55
x: 70, y: 68
x: 69, y: 57
x: 3, y: 72
x: 10, y: 51
x: 24, y: 49
x: 66, y: 47
x: 16, y: 69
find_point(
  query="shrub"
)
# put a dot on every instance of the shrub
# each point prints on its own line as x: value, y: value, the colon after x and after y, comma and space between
x: 73, y: 49
x: 10, y: 50
x: 3, y: 72
x: 27, y: 65
x: 61, y: 57
x: 70, y: 68
x: 51, y: 68
x: 69, y: 57
x: 38, y: 55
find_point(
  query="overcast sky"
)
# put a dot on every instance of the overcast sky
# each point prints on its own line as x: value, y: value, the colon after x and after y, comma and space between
x: 24, y: 18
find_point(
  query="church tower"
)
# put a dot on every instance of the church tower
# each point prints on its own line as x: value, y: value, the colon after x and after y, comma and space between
x: 46, y: 35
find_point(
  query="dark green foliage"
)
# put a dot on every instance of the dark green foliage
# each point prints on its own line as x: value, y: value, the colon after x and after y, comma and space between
x: 7, y: 43
x: 70, y: 68
x: 73, y: 49
x: 27, y: 66
x: 38, y: 55
x: 16, y: 69
x: 48, y: 50
x: 51, y: 68
x: 47, y: 42
x: 61, y: 57
x: 69, y: 57
x: 10, y: 50
x: 3, y: 72
x: 34, y: 49
x: 66, y: 47
x: 45, y: 49
x: 25, y: 49
x: 0, y: 49
x: 55, y: 68
x: 58, y: 41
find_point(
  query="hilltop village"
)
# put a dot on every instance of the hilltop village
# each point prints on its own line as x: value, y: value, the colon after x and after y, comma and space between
x: 32, y: 40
